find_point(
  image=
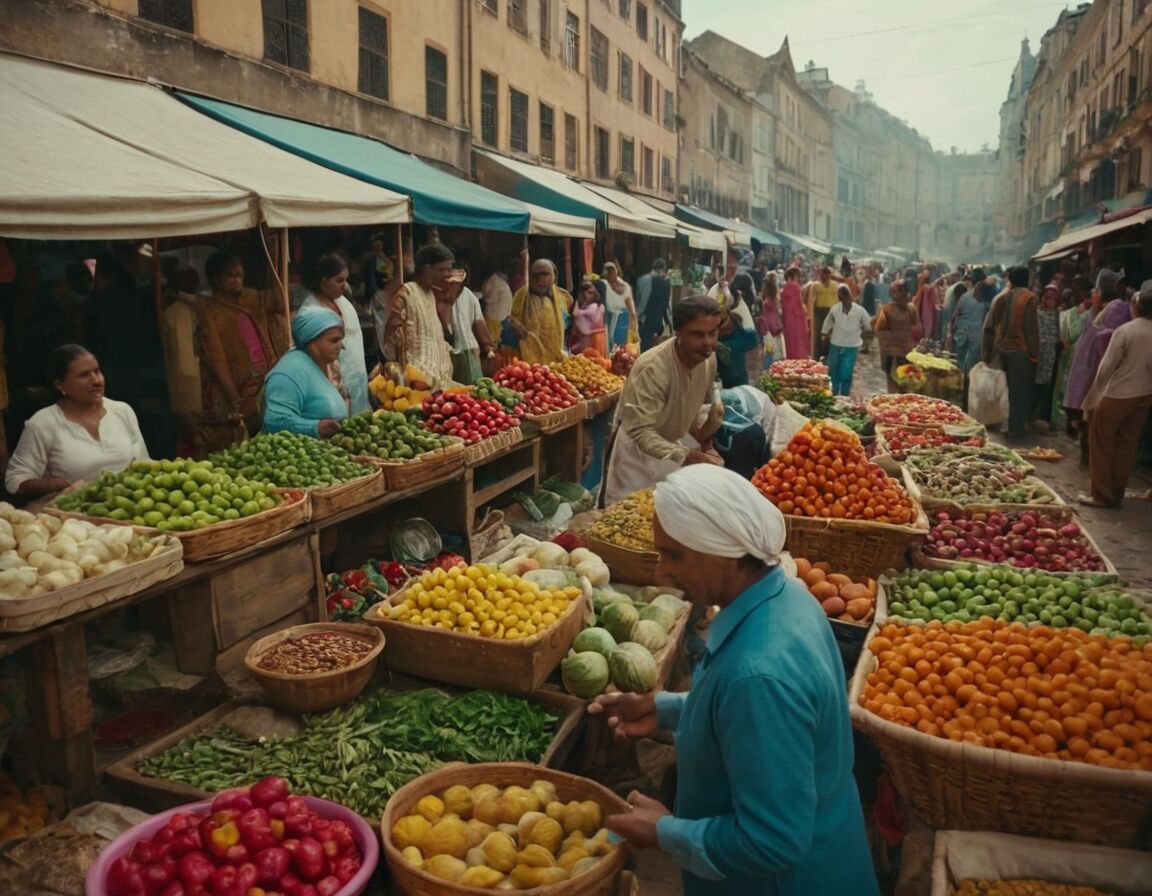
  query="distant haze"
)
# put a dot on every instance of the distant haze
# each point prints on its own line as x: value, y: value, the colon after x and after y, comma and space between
x: 944, y: 68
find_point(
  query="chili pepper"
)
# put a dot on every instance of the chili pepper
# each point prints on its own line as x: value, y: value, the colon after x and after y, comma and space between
x: 125, y: 879
x: 357, y: 579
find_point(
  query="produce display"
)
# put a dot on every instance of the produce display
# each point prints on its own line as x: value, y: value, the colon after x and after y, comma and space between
x: 467, y: 417
x: 20, y: 814
x: 316, y: 652
x: 511, y: 838
x: 815, y: 404
x: 801, y: 373
x: 171, y: 495
x: 544, y: 390
x: 589, y: 377
x: 349, y: 594
x: 391, y: 395
x: 260, y: 838
x: 362, y: 753
x: 622, y: 361
x: 387, y: 434
x: 487, y: 388
x: 1022, y: 887
x: 910, y: 376
x: 968, y: 593
x: 289, y: 460
x: 628, y: 524
x: 988, y: 475
x: 840, y: 596
x: 40, y: 553
x: 824, y: 472
x: 1027, y: 540
x: 1055, y: 693
x: 483, y: 601
x: 917, y: 410
x: 901, y: 441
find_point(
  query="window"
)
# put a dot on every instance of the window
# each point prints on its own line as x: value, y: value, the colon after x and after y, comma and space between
x: 649, y: 167
x: 518, y: 115
x: 571, y: 142
x: 626, y: 10
x: 642, y: 21
x: 625, y: 83
x: 490, y: 6
x: 628, y: 156
x: 603, y: 150
x: 599, y: 51
x: 546, y: 26
x: 517, y: 16
x: 666, y: 175
x: 373, y: 75
x: 645, y: 92
x: 572, y: 41
x: 172, y: 13
x: 1102, y: 50
x: 436, y: 83
x: 489, y: 108
x: 286, y: 32
x: 660, y: 33
x: 1135, y: 162
x: 669, y: 109
x: 1133, y: 75
x: 547, y: 133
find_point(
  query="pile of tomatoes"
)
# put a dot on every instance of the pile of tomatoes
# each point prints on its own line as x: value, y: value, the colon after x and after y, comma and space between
x: 544, y: 391
x: 824, y: 472
x: 917, y: 410
x: 462, y: 415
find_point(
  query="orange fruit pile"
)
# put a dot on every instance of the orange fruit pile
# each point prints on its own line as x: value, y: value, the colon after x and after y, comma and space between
x: 824, y: 472
x: 1039, y: 691
x: 840, y: 596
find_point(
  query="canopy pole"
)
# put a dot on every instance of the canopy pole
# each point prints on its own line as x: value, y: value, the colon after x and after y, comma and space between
x: 398, y: 274
x: 282, y: 274
x: 157, y: 287
x: 568, y: 263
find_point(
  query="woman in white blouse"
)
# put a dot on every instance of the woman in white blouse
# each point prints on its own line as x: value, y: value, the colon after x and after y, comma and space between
x: 78, y: 437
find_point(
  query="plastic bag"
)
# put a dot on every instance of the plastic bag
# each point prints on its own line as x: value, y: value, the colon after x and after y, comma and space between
x: 987, y: 394
x: 787, y: 423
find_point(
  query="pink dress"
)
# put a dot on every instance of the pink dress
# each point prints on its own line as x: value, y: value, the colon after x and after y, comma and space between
x: 796, y: 338
x: 588, y: 326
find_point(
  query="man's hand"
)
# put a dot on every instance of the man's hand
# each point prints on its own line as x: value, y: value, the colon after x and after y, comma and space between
x: 328, y: 428
x: 697, y: 456
x: 638, y: 826
x: 628, y: 715
x: 518, y: 328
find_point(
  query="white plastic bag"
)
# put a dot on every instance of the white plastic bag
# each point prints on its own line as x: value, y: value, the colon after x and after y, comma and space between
x: 787, y: 423
x: 987, y: 394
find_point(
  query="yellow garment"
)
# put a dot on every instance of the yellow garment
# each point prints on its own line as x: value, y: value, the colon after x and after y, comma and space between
x: 419, y: 340
x: 824, y: 296
x: 180, y: 358
x: 543, y: 318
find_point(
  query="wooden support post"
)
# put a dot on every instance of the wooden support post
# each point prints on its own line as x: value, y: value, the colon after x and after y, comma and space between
x: 568, y: 282
x: 157, y: 287
x: 282, y: 276
x: 64, y: 712
x: 398, y: 274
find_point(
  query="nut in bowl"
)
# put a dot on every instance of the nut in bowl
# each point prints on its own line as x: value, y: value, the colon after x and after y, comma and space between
x: 315, y: 667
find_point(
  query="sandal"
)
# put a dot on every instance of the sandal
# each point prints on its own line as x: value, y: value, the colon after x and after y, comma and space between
x: 1090, y: 501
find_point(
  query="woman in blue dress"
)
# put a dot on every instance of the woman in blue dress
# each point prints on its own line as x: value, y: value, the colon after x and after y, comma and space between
x: 298, y: 394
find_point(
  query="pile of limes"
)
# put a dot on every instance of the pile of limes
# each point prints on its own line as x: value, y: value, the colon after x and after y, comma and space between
x: 289, y: 460
x: 387, y: 434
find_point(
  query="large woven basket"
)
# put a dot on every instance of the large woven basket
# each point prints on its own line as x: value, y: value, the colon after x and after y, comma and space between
x: 404, y: 474
x: 410, y: 881
x: 594, y: 407
x: 486, y: 448
x: 854, y: 547
x: 627, y: 566
x: 334, y: 499
x: 970, y: 787
x: 557, y: 420
x: 968, y: 426
x: 935, y: 502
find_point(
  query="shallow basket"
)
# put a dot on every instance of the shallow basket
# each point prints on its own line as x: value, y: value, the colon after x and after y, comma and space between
x: 410, y: 881
x: 557, y: 420
x: 969, y: 426
x: 594, y: 407
x: 855, y: 548
x: 404, y: 474
x: 970, y: 787
x: 485, y: 448
x: 971, y: 855
x: 626, y: 565
x: 514, y: 667
x: 936, y: 502
x: 315, y: 691
x: 333, y: 499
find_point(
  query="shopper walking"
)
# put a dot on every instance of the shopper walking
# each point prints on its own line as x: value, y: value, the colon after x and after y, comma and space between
x: 1011, y: 337
x: 844, y: 330
x: 795, y: 318
x: 1048, y: 326
x: 895, y: 326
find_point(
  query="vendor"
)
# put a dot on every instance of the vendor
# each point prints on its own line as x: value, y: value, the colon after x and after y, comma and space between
x: 765, y: 793
x: 472, y: 343
x: 662, y: 400
x: 539, y: 312
x: 77, y: 438
x: 326, y: 281
x: 414, y: 332
x: 298, y: 394
x: 895, y: 327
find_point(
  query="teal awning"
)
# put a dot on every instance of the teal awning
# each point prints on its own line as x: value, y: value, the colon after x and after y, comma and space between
x: 741, y: 233
x: 438, y: 198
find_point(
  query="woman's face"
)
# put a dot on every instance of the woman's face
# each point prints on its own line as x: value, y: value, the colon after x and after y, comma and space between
x: 610, y: 274
x: 231, y: 282
x: 377, y: 247
x: 83, y: 382
x: 325, y: 348
x: 589, y: 295
x: 333, y: 287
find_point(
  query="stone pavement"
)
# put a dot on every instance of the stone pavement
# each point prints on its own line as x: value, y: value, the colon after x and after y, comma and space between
x: 1122, y: 535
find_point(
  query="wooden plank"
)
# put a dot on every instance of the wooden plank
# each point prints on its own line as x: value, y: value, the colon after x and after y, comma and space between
x: 266, y: 588
x: 229, y: 665
x: 189, y: 607
x: 64, y: 712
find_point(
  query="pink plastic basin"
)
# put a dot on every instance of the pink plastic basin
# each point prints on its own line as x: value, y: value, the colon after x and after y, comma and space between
x: 363, y: 832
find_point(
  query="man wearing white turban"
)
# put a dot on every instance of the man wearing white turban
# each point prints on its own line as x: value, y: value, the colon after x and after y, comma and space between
x: 765, y: 794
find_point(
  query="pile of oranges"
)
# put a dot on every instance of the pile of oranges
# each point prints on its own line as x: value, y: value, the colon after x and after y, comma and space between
x: 1039, y: 691
x: 824, y: 472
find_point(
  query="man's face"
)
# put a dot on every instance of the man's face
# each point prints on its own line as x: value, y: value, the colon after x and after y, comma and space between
x: 231, y: 282
x: 438, y: 274
x: 540, y: 279
x: 698, y: 338
x: 690, y: 571
x: 825, y: 277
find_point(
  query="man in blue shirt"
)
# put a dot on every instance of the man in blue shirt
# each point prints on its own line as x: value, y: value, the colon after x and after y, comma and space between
x: 766, y: 803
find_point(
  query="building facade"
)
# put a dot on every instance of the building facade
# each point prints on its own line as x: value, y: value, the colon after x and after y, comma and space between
x: 1010, y: 152
x: 968, y: 187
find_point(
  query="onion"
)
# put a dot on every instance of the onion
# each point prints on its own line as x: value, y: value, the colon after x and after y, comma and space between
x: 1071, y: 530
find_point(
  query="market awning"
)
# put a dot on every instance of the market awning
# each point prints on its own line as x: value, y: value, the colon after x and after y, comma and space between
x: 1085, y: 235
x: 739, y: 233
x: 90, y: 155
x: 696, y: 237
x: 808, y: 242
x: 438, y: 198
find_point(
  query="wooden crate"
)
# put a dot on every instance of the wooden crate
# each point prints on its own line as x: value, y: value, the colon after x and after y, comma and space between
x: 515, y: 667
x: 334, y: 499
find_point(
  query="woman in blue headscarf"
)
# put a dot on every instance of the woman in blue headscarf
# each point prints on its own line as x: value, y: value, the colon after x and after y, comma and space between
x: 298, y: 395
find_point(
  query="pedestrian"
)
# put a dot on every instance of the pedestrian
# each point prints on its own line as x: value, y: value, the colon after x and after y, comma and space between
x: 1011, y: 341
x: 894, y: 326
x: 654, y: 316
x: 820, y: 299
x: 588, y: 330
x: 539, y: 312
x: 473, y: 348
x: 1048, y: 327
x: 794, y: 316
x: 327, y: 281
x: 619, y: 308
x: 1073, y: 319
x: 1117, y: 405
x: 769, y: 324
x: 926, y: 303
x: 868, y: 296
x: 843, y: 332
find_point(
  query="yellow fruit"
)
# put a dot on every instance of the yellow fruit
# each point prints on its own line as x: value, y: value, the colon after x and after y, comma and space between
x: 458, y: 800
x: 412, y: 856
x: 448, y: 836
x: 400, y: 404
x: 570, y: 857
x: 499, y: 851
x: 477, y: 831
x: 481, y: 876
x: 431, y: 807
x: 547, y: 833
x: 528, y: 876
x: 526, y: 823
x: 445, y: 867
x: 536, y: 855
x: 410, y: 831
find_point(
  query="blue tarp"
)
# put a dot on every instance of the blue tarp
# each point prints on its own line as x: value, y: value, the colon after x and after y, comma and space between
x: 438, y: 198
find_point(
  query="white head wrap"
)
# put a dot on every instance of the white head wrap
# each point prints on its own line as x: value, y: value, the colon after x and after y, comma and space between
x: 715, y: 511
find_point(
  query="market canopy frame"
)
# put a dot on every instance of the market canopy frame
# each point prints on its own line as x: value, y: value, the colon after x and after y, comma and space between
x: 1073, y: 239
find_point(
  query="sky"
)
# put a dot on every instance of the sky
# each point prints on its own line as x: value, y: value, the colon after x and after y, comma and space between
x: 942, y: 67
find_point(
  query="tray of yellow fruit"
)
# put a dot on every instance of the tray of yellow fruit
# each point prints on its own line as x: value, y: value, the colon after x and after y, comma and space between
x: 396, y: 393
x: 478, y: 627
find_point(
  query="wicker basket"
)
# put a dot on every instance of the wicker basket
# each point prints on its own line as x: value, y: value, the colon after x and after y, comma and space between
x: 555, y: 421
x: 515, y: 667
x: 855, y: 548
x: 486, y: 448
x: 334, y: 499
x: 969, y: 426
x: 935, y: 502
x: 315, y: 691
x: 965, y: 855
x: 27, y: 613
x: 970, y: 787
x: 410, y: 881
x: 627, y: 566
x: 594, y: 407
x: 404, y: 474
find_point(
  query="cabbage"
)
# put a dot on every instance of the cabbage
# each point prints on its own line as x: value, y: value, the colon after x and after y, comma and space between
x: 650, y: 634
x: 599, y: 640
x: 585, y: 674
x: 633, y: 668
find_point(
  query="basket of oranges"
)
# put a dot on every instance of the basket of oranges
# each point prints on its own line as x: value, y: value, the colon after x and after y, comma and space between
x: 839, y: 506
